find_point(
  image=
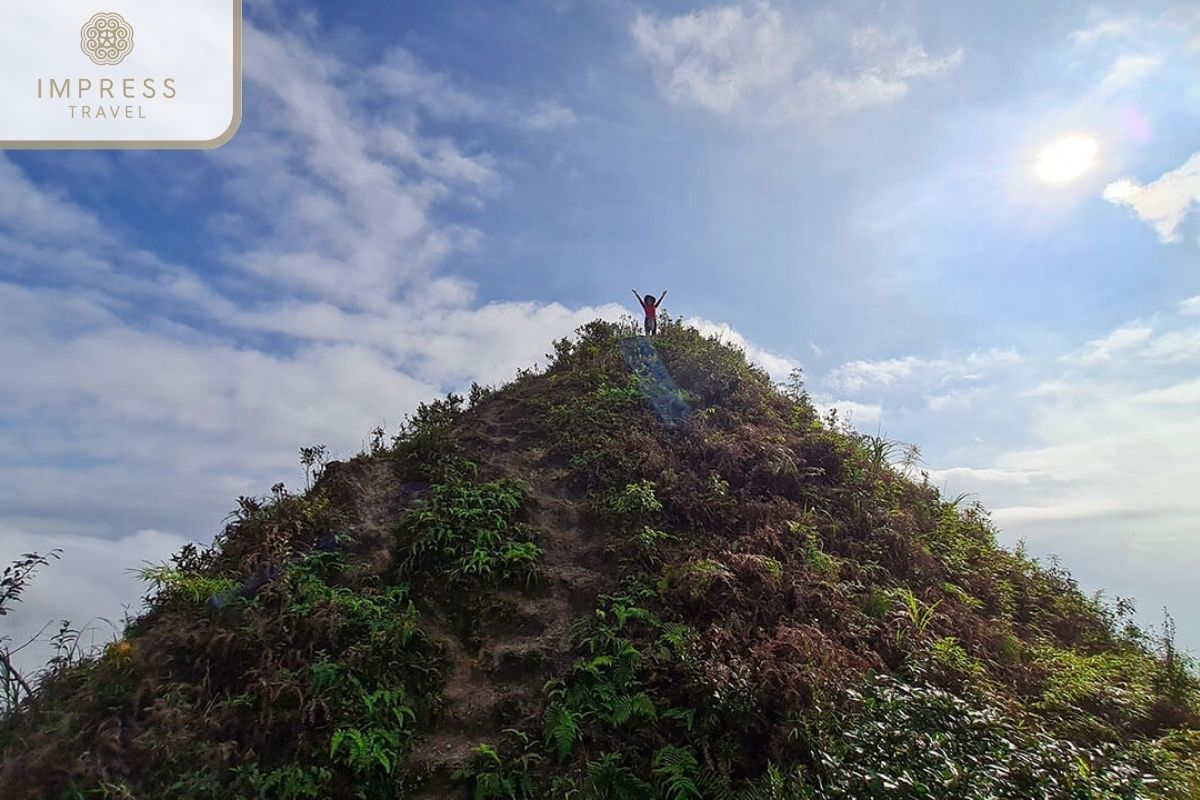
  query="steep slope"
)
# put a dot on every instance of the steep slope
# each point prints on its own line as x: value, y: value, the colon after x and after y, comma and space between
x: 644, y: 572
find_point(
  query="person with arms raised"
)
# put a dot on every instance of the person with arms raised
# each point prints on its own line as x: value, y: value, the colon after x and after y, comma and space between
x: 650, y: 307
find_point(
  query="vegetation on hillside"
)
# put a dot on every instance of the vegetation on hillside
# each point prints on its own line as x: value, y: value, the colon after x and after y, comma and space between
x: 643, y: 572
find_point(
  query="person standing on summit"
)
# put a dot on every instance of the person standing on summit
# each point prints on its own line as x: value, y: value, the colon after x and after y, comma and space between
x: 650, y: 306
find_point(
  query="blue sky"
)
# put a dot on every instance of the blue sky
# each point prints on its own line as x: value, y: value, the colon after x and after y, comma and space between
x: 425, y: 194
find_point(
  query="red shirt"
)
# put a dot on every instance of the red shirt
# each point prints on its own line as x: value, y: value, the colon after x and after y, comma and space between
x: 650, y: 309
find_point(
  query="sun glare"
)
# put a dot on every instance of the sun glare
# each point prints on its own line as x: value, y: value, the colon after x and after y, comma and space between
x: 1067, y: 158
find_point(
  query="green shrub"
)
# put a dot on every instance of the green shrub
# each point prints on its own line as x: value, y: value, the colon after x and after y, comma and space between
x: 948, y: 657
x: 169, y: 582
x: 470, y: 535
x: 287, y: 782
x: 876, y: 604
x: 902, y: 740
x: 492, y: 777
x: 694, y: 578
x: 636, y: 501
x: 1096, y: 689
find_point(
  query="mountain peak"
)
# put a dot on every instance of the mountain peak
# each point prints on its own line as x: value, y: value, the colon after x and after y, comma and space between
x: 645, y: 571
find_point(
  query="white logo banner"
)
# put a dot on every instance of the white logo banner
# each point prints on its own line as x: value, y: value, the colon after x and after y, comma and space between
x: 120, y: 73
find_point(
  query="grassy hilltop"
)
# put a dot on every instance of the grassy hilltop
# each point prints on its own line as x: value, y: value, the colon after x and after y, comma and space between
x: 644, y: 572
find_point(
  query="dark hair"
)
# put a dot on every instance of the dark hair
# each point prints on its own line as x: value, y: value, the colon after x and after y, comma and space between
x: 648, y: 298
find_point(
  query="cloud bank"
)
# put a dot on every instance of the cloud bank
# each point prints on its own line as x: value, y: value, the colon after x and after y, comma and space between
x: 753, y: 61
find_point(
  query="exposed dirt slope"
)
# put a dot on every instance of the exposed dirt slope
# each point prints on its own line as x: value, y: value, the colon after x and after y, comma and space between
x: 496, y: 681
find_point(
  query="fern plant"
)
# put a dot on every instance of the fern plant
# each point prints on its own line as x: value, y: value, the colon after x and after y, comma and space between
x: 381, y: 740
x: 608, y: 779
x: 675, y: 770
x: 470, y: 534
x: 492, y: 778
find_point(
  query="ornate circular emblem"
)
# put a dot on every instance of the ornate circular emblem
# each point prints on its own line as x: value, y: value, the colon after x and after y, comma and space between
x: 107, y: 39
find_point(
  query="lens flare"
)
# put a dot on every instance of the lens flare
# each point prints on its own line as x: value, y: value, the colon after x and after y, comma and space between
x: 1067, y: 158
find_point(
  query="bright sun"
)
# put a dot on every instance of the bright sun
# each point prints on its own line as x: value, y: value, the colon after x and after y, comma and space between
x: 1067, y: 158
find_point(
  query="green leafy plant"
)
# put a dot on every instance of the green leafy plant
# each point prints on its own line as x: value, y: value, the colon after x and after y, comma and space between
x: 905, y: 740
x: 470, y: 533
x: 636, y: 501
x: 813, y: 556
x: 718, y: 485
x: 947, y: 655
x: 382, y: 736
x: 492, y: 777
x: 609, y: 779
x: 169, y: 581
x: 606, y: 685
x: 287, y: 782
x: 676, y: 772
x: 916, y: 612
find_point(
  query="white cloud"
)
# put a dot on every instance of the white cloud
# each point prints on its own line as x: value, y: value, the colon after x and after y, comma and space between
x: 1191, y: 306
x: 958, y: 399
x: 1128, y: 71
x: 1113, y: 446
x: 39, y: 214
x: 1133, y: 344
x: 994, y: 357
x: 752, y: 59
x: 547, y: 115
x: 716, y: 57
x: 401, y: 77
x: 854, y: 376
x: 1164, y: 203
x: 1141, y: 31
x: 91, y: 586
x: 354, y: 197
x: 1105, y: 476
x: 852, y: 411
x: 983, y: 476
x: 1108, y: 29
x: 1174, y: 347
x: 1059, y: 511
x: 859, y: 375
x: 1121, y: 340
x: 890, y: 55
x: 779, y: 367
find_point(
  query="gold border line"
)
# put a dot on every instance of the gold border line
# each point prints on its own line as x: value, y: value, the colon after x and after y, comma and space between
x: 154, y: 144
